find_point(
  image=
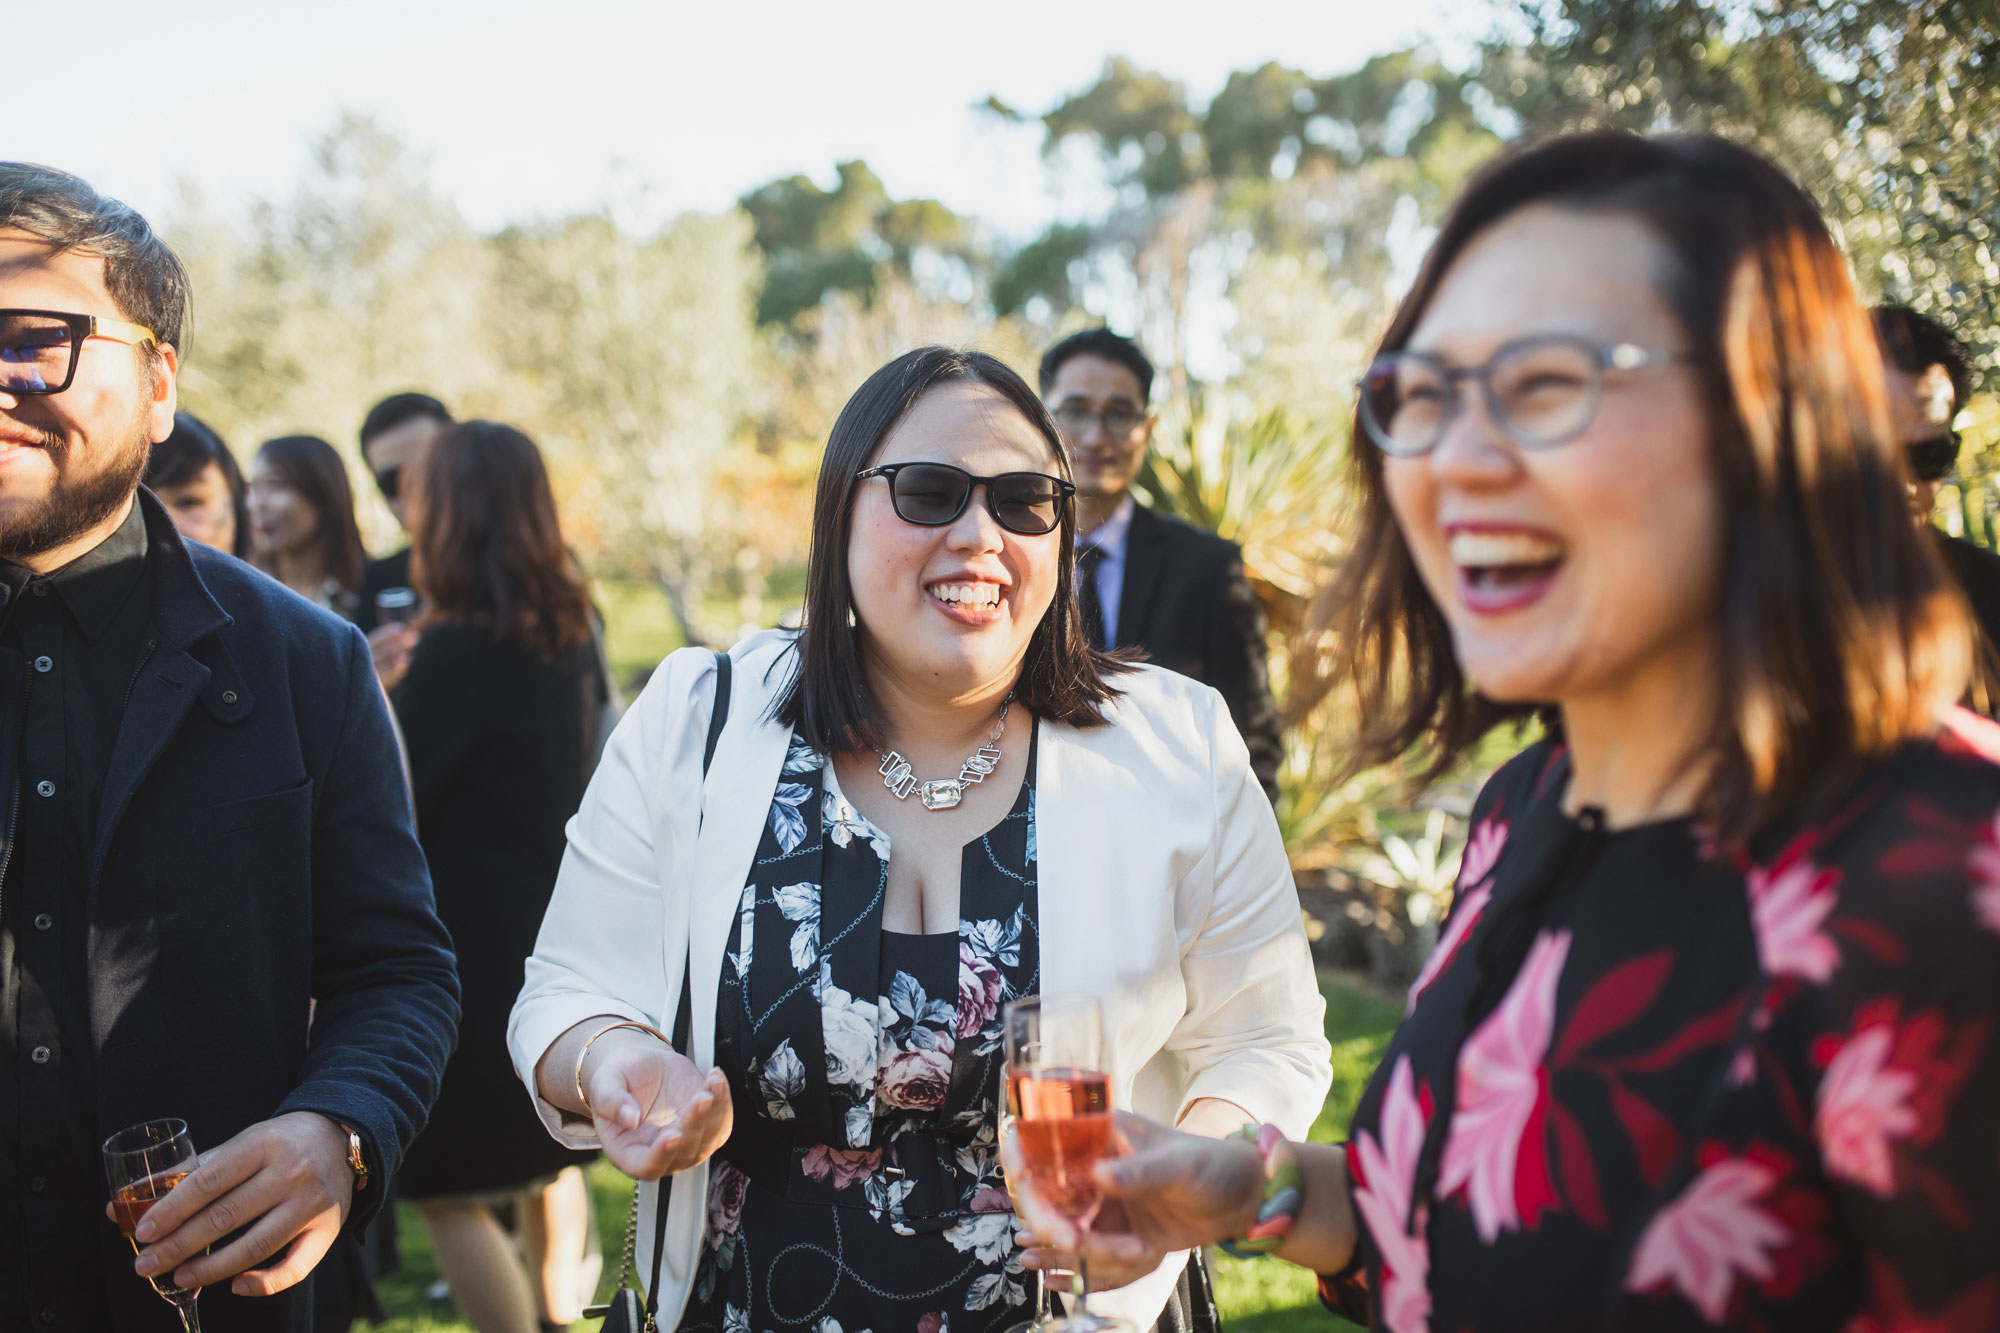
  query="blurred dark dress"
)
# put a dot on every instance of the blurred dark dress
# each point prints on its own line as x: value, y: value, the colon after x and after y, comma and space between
x: 499, y: 744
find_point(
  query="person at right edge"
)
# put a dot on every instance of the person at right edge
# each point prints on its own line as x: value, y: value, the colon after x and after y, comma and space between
x: 1712, y: 1036
x: 1929, y: 378
x: 1149, y: 580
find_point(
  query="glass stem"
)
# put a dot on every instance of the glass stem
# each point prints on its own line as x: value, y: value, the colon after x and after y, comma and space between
x: 190, y: 1320
x: 1082, y: 1282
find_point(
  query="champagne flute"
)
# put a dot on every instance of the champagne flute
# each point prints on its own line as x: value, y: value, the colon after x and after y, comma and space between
x: 1045, y: 1316
x: 141, y: 1164
x: 397, y: 606
x: 1060, y: 1095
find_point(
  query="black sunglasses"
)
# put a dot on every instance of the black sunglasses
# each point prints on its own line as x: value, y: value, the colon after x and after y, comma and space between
x: 39, y: 349
x: 1932, y: 459
x: 931, y: 495
x: 389, y: 481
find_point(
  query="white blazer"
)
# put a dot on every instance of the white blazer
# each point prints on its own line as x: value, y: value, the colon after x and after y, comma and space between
x: 1163, y: 890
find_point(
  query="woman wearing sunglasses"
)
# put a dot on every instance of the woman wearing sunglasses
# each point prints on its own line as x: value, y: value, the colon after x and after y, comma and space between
x: 1709, y: 1038
x: 935, y: 798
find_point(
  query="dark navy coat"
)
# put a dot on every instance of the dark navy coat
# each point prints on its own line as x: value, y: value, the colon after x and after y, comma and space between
x: 262, y: 936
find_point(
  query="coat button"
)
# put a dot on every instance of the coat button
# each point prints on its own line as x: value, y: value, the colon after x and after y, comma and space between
x: 40, y: 590
x: 43, y: 921
x: 38, y: 1184
x: 229, y: 696
x: 40, y: 1055
x: 45, y: 663
x: 45, y: 788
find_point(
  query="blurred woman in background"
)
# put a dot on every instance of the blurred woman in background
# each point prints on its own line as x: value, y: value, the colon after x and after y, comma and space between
x: 498, y: 704
x: 1710, y: 1035
x: 302, y: 527
x: 196, y: 478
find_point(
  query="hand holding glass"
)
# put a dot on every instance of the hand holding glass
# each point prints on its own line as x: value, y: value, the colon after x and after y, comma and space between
x: 141, y: 1164
x: 1061, y: 1098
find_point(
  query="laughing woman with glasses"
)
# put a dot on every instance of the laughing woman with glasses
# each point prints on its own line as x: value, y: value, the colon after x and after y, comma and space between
x: 1709, y: 1038
x: 934, y: 799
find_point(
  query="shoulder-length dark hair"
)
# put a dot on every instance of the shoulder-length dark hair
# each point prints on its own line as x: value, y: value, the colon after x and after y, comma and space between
x: 1841, y: 634
x: 312, y: 467
x: 185, y: 454
x: 828, y: 702
x: 486, y: 547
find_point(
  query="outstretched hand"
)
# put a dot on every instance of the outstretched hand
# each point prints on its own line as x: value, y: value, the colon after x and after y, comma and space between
x: 1169, y: 1191
x: 655, y: 1113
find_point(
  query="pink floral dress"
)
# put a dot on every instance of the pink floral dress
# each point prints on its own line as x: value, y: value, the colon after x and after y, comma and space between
x: 1638, y: 1088
x: 860, y: 1191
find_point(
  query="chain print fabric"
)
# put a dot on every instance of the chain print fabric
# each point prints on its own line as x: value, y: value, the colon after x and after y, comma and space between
x: 861, y: 1188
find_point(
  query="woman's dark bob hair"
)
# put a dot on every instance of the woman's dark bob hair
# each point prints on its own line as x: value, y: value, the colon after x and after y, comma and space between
x: 1840, y: 634
x: 828, y: 702
x: 185, y: 454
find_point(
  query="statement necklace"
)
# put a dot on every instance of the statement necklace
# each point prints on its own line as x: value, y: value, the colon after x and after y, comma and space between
x: 944, y: 793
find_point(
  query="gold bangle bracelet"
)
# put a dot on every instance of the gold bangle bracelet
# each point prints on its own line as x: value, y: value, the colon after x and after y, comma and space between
x: 582, y: 1097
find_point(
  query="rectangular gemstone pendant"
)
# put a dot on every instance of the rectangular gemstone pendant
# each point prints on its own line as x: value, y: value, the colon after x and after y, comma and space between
x: 942, y: 794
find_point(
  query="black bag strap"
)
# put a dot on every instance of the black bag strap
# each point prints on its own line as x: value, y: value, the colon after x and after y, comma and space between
x: 684, y: 1016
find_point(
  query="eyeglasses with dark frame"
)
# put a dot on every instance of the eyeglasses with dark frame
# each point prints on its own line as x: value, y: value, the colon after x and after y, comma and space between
x: 1117, y: 422
x: 39, y: 349
x: 1539, y: 391
x: 931, y: 495
x: 1933, y: 458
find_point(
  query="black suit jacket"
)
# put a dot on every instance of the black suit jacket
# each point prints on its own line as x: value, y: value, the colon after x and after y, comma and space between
x: 254, y: 858
x: 1187, y: 602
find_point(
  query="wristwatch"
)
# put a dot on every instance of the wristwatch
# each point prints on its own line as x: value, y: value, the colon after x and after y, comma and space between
x: 357, y: 1161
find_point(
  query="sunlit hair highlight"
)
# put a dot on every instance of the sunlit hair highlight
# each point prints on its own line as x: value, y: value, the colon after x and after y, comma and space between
x: 1841, y: 635
x: 486, y: 547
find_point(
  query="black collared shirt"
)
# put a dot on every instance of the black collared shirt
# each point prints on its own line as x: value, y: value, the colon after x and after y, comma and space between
x: 71, y: 643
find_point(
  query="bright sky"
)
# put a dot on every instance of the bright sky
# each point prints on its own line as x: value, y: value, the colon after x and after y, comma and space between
x: 539, y: 107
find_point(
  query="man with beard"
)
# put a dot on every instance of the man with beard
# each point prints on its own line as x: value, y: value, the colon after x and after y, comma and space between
x: 1148, y: 580
x: 212, y: 903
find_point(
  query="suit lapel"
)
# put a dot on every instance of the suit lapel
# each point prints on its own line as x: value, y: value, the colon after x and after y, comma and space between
x: 166, y: 686
x: 1145, y: 555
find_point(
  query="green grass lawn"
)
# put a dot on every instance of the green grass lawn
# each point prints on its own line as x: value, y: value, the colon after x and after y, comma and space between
x: 1256, y: 1296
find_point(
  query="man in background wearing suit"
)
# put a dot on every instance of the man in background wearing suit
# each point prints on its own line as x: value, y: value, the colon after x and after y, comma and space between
x: 1146, y: 580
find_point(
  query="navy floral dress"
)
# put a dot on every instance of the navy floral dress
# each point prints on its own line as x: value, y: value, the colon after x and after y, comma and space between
x: 1644, y: 1087
x: 861, y: 1187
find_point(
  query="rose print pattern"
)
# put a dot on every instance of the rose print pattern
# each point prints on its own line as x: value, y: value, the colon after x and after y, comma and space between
x: 866, y: 1066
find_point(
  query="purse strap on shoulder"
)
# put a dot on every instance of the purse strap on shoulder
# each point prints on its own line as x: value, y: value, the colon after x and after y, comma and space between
x: 683, y: 1025
x: 718, y: 716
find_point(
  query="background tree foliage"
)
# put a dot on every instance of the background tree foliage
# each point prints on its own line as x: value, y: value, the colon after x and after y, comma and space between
x: 682, y: 377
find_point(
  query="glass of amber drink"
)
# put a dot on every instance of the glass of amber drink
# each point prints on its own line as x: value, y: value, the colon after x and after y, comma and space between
x: 141, y: 1164
x: 1059, y: 1092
